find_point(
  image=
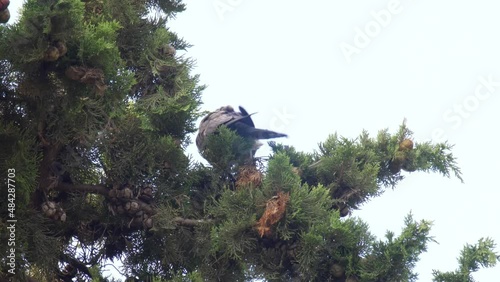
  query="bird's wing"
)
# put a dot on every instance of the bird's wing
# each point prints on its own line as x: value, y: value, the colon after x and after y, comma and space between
x: 213, y: 120
x: 247, y: 117
x: 223, y: 116
x: 241, y: 122
x: 245, y: 127
x: 255, y: 133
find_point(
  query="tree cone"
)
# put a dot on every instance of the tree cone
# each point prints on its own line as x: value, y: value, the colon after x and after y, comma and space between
x: 409, y: 166
x: 75, y: 72
x: 344, y: 211
x: 4, y: 4
x: 167, y: 50
x: 395, y: 167
x: 406, y: 144
x: 132, y: 207
x: 120, y: 209
x: 126, y: 193
x: 50, y: 209
x: 51, y: 54
x: 61, y: 47
x: 397, y: 162
x: 148, y: 223
x: 147, y: 191
x: 113, y: 193
x: 337, y: 270
x: 63, y: 217
x: 4, y: 16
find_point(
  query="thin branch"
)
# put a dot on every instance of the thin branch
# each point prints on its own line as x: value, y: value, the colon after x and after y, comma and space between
x: 191, y: 222
x: 121, y: 273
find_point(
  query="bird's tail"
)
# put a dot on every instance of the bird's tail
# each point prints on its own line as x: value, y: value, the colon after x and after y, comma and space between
x: 265, y: 134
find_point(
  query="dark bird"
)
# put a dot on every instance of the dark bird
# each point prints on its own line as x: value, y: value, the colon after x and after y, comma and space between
x: 240, y: 122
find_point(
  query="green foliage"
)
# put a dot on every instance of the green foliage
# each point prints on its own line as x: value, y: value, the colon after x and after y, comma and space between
x: 171, y: 95
x: 64, y: 16
x: 126, y: 129
x: 472, y: 257
x: 132, y: 132
x: 355, y: 170
x: 333, y: 241
x: 296, y: 158
x: 170, y: 8
x: 280, y: 176
x: 98, y: 46
x: 435, y: 158
x: 232, y: 238
x: 17, y: 155
x: 36, y: 246
x: 227, y: 149
x: 133, y: 152
x: 307, y: 207
x: 40, y: 24
x: 301, y: 161
x: 394, y: 259
x: 346, y: 164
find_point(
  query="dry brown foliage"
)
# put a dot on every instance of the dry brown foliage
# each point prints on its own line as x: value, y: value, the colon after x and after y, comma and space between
x: 248, y: 175
x: 275, y: 209
x: 91, y: 76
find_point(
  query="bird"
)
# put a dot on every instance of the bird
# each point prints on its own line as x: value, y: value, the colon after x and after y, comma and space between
x: 240, y: 122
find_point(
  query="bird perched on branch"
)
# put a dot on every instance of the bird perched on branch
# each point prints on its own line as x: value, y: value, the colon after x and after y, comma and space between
x: 240, y: 122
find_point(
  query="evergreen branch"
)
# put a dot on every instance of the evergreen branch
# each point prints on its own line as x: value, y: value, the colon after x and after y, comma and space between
x: 472, y: 258
x: 102, y: 190
x: 84, y: 188
x: 45, y: 181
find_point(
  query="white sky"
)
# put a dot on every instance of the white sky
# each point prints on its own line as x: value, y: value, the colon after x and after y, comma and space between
x: 283, y: 59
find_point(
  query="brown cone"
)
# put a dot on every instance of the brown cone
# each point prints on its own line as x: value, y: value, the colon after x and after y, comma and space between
x: 4, y: 16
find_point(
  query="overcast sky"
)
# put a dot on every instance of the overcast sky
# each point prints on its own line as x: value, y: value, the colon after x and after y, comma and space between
x: 314, y: 69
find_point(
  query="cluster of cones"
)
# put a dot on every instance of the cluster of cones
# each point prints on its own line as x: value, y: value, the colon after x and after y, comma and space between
x: 90, y: 76
x: 53, y: 211
x: 400, y: 159
x: 136, y: 208
x: 55, y: 51
x: 167, y: 50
